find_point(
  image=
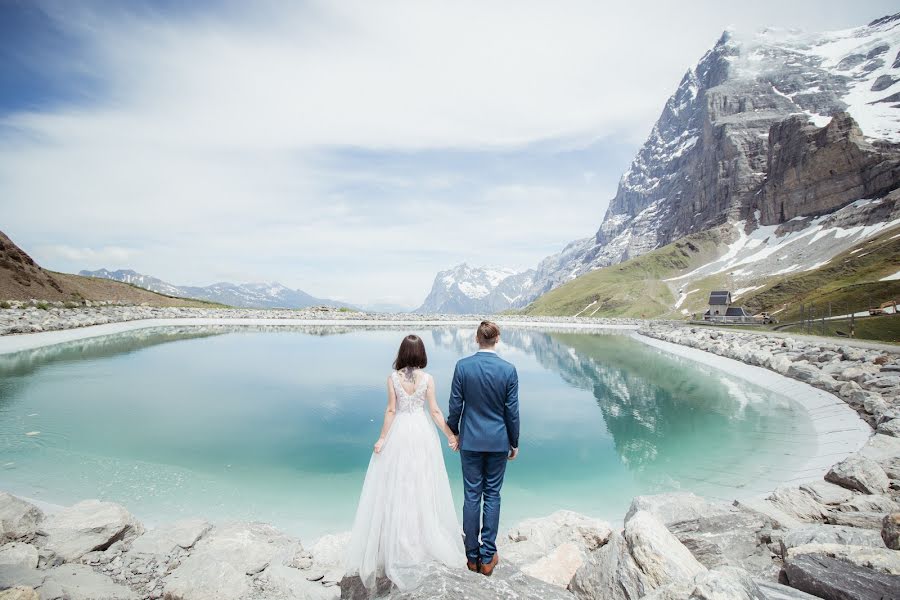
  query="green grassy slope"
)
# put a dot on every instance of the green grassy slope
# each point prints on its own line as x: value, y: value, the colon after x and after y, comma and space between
x: 850, y: 282
x: 633, y: 288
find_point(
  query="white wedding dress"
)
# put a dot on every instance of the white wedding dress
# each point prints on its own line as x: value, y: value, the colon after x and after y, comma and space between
x: 406, y: 516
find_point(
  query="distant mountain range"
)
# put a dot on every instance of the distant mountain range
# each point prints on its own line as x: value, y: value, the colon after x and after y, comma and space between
x: 244, y: 295
x: 476, y: 290
x: 784, y: 146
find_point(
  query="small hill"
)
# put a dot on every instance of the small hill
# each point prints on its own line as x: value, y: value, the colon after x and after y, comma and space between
x: 863, y: 276
x: 23, y: 279
x: 634, y: 288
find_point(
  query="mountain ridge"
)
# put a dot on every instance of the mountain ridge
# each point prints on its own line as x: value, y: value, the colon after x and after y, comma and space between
x: 241, y: 295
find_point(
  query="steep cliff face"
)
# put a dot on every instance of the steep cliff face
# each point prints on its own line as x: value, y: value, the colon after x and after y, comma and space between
x: 750, y: 129
x: 813, y: 171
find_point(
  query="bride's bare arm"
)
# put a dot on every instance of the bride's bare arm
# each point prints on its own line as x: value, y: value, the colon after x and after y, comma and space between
x: 436, y: 415
x: 389, y: 413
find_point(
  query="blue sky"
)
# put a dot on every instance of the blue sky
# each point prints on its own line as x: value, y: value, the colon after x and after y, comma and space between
x: 351, y: 149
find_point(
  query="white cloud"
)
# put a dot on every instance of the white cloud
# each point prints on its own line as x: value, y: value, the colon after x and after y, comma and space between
x: 199, y: 154
x: 105, y: 255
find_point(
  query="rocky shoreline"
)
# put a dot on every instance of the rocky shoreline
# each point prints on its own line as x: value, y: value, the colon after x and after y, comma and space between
x: 838, y: 537
x: 36, y: 317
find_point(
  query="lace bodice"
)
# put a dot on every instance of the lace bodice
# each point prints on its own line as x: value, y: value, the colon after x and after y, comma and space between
x: 407, y: 402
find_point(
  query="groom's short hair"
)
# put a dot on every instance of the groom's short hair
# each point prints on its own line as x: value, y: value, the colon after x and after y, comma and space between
x: 488, y: 333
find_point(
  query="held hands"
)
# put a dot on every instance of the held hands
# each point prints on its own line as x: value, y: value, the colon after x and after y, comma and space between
x: 453, y: 442
x: 379, y: 445
x: 513, y: 453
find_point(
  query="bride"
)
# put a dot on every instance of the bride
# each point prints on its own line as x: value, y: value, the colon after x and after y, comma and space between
x: 406, y: 517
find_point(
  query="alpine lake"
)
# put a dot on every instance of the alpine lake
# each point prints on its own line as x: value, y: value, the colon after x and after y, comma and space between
x: 277, y: 423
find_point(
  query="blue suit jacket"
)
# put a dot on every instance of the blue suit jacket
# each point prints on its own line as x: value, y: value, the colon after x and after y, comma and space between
x: 484, y: 403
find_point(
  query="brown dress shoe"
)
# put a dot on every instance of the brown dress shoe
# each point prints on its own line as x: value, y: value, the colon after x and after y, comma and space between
x: 473, y: 566
x: 488, y: 568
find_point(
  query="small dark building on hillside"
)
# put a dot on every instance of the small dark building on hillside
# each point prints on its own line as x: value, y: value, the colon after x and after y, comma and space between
x: 721, y: 309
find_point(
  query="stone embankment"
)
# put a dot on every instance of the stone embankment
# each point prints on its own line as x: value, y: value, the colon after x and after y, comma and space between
x: 834, y: 538
x: 34, y: 316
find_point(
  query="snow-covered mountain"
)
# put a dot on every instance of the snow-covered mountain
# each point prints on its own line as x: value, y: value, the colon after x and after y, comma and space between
x: 769, y: 133
x: 244, y: 295
x: 476, y: 290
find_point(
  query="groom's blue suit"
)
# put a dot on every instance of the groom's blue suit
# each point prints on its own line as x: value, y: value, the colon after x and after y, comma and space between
x: 484, y: 412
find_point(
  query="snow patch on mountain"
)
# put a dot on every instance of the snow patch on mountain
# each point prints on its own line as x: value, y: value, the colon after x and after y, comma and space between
x: 243, y: 295
x: 469, y: 290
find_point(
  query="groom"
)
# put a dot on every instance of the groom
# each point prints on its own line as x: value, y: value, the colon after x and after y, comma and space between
x: 484, y: 413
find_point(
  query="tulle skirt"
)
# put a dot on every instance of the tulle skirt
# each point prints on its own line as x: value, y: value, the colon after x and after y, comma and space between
x: 406, y: 516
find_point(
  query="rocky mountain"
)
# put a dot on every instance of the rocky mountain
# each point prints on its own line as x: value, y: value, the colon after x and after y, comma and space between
x: 476, y: 290
x: 21, y: 278
x: 244, y: 295
x: 776, y: 130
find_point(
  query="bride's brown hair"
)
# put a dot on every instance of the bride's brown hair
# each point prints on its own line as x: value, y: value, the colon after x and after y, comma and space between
x: 411, y: 353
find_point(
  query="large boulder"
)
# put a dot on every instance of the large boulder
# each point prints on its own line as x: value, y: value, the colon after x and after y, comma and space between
x: 673, y: 507
x: 851, y: 518
x: 867, y: 503
x: 856, y: 472
x: 797, y: 503
x: 881, y: 559
x: 826, y: 492
x: 20, y: 592
x: 737, y: 538
x: 658, y: 553
x: 279, y: 581
x: 18, y: 555
x: 559, y: 566
x: 87, y: 526
x: 890, y: 531
x: 222, y: 561
x: 724, y: 582
x: 881, y: 448
x: 829, y: 534
x: 19, y: 520
x: 610, y: 573
x: 506, y: 583
x: 80, y: 582
x: 166, y: 538
x: 553, y: 548
x: 838, y: 577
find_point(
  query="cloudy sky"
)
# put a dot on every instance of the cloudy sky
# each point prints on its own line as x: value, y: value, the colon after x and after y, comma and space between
x: 348, y: 148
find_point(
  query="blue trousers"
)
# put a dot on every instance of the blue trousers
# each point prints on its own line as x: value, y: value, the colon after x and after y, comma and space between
x: 482, y: 476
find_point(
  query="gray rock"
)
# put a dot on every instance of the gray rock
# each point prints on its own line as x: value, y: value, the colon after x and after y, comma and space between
x: 352, y: 588
x: 891, y: 428
x: 219, y: 566
x: 881, y: 448
x: 280, y: 581
x: 553, y: 548
x: 675, y: 506
x: 775, y: 591
x: 868, y: 503
x: 20, y: 592
x: 737, y: 538
x: 863, y: 520
x: 19, y: 520
x: 166, y: 538
x: 506, y: 583
x: 881, y: 559
x: 610, y: 572
x: 836, y: 578
x: 725, y: 582
x: 804, y: 372
x: 18, y: 554
x: 80, y: 582
x: 797, y: 503
x: 890, y: 531
x: 826, y: 492
x: 857, y: 472
x: 658, y: 553
x: 780, y: 518
x: 87, y: 526
x: 829, y: 534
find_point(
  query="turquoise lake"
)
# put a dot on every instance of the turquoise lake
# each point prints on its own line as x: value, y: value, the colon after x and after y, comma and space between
x: 278, y: 424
